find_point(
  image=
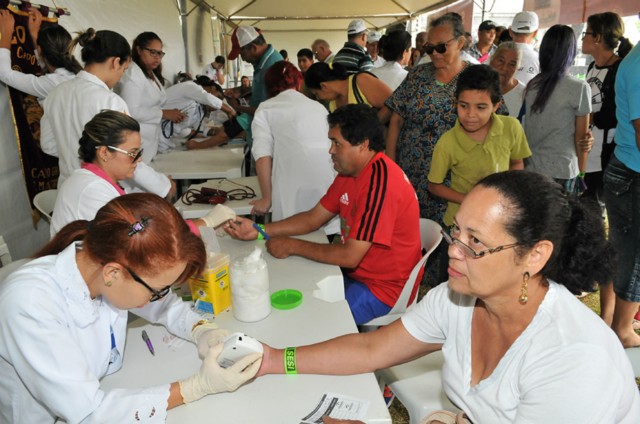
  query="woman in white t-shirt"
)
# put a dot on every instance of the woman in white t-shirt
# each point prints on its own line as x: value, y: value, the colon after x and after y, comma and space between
x: 517, y: 344
x: 506, y: 60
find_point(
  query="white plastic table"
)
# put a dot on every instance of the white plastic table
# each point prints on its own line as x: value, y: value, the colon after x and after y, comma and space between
x: 269, y: 399
x: 216, y: 162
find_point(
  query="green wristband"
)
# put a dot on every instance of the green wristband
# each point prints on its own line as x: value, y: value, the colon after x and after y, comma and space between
x: 290, y: 361
x: 581, y: 174
x: 260, y: 235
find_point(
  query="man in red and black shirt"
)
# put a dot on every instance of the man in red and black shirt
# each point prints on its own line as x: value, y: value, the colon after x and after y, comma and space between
x: 379, y: 214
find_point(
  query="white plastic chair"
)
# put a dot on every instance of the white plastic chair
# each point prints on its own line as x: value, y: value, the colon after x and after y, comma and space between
x: 45, y: 201
x: 418, y: 385
x: 430, y: 238
x: 8, y: 266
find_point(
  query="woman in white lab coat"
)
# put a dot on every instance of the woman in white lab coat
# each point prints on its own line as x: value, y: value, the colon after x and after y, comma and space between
x: 110, y: 152
x: 195, y: 99
x: 142, y: 87
x: 52, y: 51
x: 291, y: 148
x: 72, y: 104
x: 63, y: 318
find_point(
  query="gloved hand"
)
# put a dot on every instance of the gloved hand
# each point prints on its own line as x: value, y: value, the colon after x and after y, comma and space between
x: 206, y: 336
x: 214, y: 379
x: 218, y: 216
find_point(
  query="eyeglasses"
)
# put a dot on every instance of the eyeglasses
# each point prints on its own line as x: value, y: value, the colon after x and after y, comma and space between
x: 440, y: 48
x: 154, y: 53
x: 156, y: 295
x: 585, y: 33
x: 133, y: 155
x: 468, y: 251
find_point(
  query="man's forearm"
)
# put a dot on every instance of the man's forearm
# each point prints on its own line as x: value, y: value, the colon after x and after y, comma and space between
x: 333, y: 254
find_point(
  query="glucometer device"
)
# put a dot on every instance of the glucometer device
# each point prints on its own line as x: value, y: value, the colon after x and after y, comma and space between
x: 237, y: 346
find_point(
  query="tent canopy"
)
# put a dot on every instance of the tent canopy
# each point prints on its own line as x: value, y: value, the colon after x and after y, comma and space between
x: 316, y: 16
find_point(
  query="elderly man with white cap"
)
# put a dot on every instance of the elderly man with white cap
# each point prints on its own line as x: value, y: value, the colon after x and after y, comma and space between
x: 353, y: 55
x: 248, y: 43
x: 373, y: 40
x: 524, y: 29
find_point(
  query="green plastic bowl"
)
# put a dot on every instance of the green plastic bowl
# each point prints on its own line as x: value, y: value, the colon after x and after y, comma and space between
x: 286, y: 299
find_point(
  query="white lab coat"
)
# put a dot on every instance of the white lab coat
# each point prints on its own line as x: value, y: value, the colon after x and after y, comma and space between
x: 67, y: 109
x: 80, y: 197
x: 391, y: 73
x: 145, y: 98
x: 38, y: 86
x: 293, y: 130
x: 186, y: 96
x: 55, y: 346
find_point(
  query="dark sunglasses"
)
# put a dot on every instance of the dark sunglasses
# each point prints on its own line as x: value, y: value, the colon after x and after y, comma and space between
x: 440, y: 48
x: 155, y: 294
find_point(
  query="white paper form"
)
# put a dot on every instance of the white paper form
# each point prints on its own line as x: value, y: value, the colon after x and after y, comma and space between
x: 337, y: 406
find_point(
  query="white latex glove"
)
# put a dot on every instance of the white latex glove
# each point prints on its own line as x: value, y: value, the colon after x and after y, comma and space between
x: 218, y: 216
x: 206, y: 336
x: 214, y: 379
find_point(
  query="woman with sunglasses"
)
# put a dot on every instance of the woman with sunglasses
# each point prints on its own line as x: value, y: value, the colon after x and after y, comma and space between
x: 109, y: 152
x: 63, y: 318
x: 142, y: 87
x: 72, y: 104
x: 423, y: 108
x: 517, y: 344
x: 52, y: 51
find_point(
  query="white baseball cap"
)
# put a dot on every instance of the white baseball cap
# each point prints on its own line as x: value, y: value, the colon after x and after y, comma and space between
x: 373, y: 36
x: 525, y: 23
x: 356, y: 27
x: 240, y: 37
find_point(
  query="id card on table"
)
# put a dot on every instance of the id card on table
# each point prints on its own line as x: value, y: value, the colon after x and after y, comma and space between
x: 337, y: 406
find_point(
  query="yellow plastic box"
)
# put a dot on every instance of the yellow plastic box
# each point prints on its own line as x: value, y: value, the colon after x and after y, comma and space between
x: 211, y: 291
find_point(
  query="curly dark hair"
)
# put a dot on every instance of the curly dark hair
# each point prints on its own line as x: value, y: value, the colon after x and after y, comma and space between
x: 358, y: 122
x: 540, y: 209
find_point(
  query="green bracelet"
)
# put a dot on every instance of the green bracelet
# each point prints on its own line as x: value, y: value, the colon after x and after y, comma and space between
x: 581, y: 174
x: 290, y: 361
x: 260, y: 234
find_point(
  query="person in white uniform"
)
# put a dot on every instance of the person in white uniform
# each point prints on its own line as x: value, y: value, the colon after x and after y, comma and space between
x: 396, y: 50
x: 110, y: 152
x: 52, y: 52
x: 142, y: 88
x: 517, y: 344
x: 63, y: 318
x: 506, y: 60
x: 195, y: 99
x: 215, y: 70
x: 72, y: 104
x: 524, y: 29
x: 291, y: 148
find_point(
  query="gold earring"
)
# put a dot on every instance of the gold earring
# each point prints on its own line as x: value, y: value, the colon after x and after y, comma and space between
x: 523, y: 289
x: 108, y: 283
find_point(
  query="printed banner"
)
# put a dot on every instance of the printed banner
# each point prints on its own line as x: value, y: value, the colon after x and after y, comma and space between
x: 39, y: 169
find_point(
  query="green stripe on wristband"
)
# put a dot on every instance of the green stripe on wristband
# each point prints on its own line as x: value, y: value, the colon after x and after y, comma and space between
x: 290, y: 361
x: 260, y: 235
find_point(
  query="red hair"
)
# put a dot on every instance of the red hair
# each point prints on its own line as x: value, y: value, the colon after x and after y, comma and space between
x: 282, y: 76
x: 165, y: 239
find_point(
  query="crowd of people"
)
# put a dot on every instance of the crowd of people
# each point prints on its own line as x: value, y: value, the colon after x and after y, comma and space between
x: 521, y: 163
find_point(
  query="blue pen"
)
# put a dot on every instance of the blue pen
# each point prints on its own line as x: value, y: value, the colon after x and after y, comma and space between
x: 145, y: 337
x: 261, y: 231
